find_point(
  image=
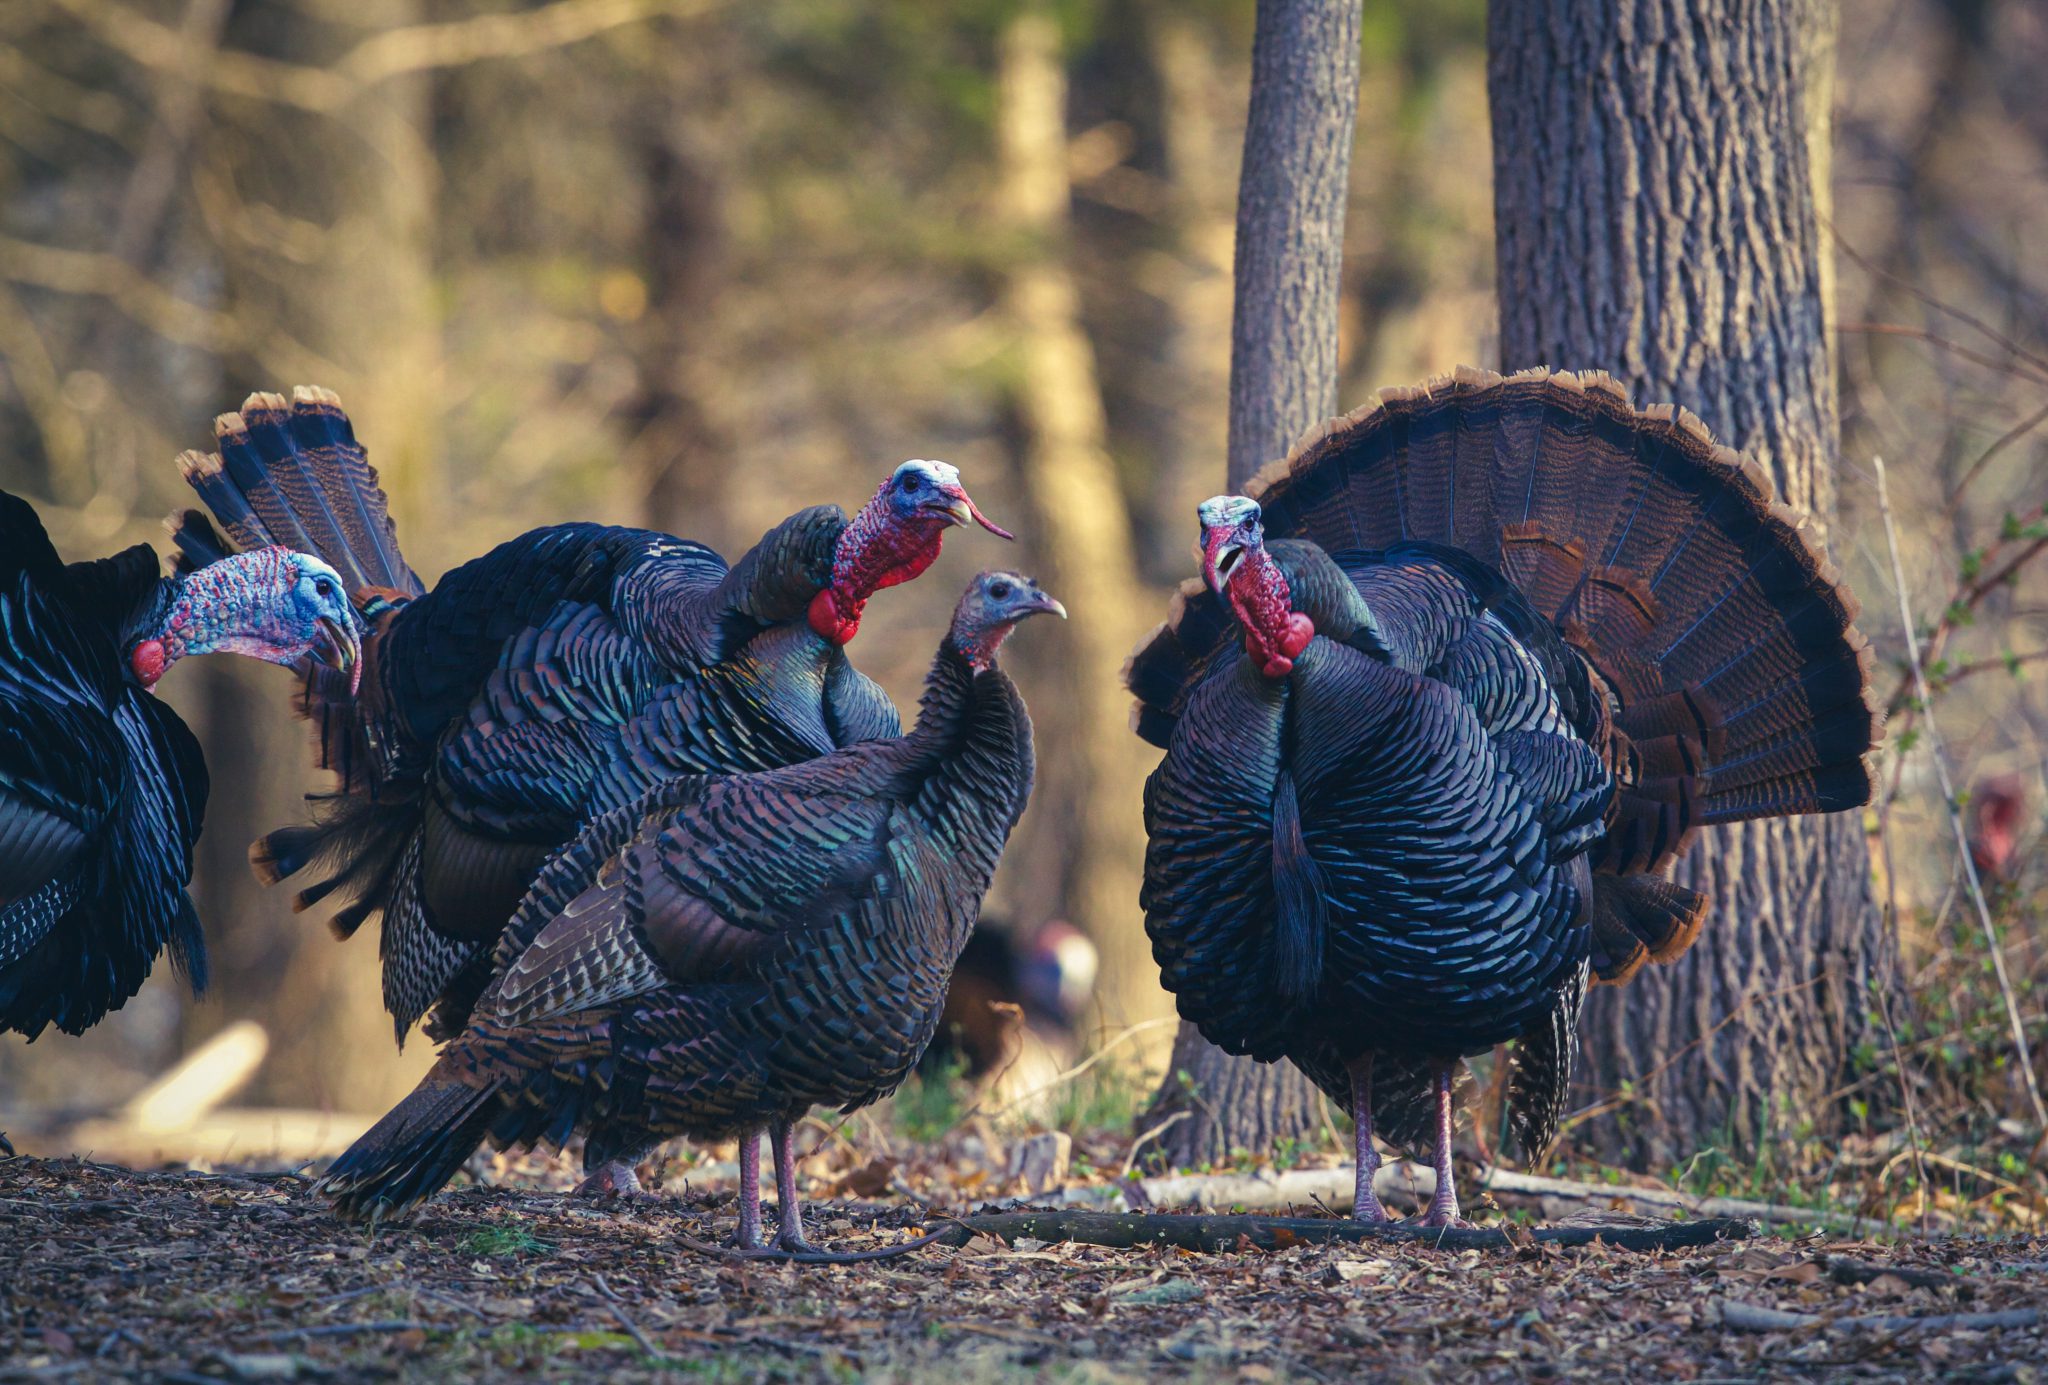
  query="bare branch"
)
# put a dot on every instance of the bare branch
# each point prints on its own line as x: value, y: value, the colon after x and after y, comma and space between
x: 1955, y: 814
x: 392, y: 53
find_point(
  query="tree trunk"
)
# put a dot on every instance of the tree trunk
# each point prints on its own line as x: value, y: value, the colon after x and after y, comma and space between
x: 1283, y: 380
x: 1656, y: 173
x: 679, y: 449
x: 361, y: 311
x: 1080, y: 522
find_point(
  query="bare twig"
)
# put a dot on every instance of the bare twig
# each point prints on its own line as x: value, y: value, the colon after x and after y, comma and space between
x: 1970, y: 593
x: 1131, y: 1159
x: 391, y: 53
x: 2005, y: 440
x: 1897, y: 329
x: 617, y: 1306
x: 1954, y: 806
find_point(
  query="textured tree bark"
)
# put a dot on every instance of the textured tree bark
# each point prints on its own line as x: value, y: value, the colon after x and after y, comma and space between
x: 1657, y: 170
x: 1080, y: 523
x: 1283, y: 380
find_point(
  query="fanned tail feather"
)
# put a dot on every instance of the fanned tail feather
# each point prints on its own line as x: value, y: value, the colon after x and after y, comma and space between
x: 291, y: 473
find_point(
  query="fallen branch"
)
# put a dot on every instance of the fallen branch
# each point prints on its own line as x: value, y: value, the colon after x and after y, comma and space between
x: 1226, y: 1233
x: 199, y: 1083
x: 1748, y: 1317
x: 1843, y: 1270
x: 1270, y: 1191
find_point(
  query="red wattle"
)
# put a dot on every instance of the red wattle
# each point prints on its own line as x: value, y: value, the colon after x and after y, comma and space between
x: 827, y: 619
x: 149, y: 662
x: 1300, y: 630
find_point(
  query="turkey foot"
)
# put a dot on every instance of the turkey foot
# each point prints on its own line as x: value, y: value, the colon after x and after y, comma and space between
x: 1365, y: 1203
x: 1443, y: 1203
x: 614, y: 1181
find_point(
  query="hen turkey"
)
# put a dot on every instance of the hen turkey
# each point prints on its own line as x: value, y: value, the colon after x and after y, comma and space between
x: 730, y: 951
x: 1466, y: 673
x: 102, y: 787
x: 563, y: 673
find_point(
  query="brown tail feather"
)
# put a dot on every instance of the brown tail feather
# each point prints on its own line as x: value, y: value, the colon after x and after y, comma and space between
x: 1641, y: 918
x: 1706, y: 607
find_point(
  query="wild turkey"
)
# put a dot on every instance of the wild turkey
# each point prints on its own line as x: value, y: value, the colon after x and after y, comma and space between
x: 1014, y: 994
x: 1507, y: 644
x: 561, y: 674
x: 730, y: 951
x: 102, y: 787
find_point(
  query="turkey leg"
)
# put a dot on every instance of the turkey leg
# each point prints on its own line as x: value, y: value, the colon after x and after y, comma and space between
x: 789, y: 1238
x: 1365, y: 1204
x: 749, y: 1237
x: 1443, y: 1204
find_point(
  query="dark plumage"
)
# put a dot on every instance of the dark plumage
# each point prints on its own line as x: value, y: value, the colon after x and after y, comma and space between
x: 730, y: 951
x: 102, y: 787
x: 1468, y: 677
x: 563, y: 673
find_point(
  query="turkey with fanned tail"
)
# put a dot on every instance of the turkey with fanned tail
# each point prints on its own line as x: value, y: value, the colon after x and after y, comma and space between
x: 562, y: 674
x: 730, y: 951
x: 102, y: 786
x: 1464, y: 675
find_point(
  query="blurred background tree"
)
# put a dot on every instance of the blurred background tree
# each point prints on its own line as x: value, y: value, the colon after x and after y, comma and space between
x: 691, y: 263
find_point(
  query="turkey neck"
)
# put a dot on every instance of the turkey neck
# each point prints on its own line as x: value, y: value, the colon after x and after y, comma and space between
x: 968, y: 761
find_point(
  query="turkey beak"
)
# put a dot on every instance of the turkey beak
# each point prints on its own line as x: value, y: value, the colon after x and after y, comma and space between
x: 1223, y: 560
x: 342, y: 648
x: 1041, y: 602
x: 959, y: 508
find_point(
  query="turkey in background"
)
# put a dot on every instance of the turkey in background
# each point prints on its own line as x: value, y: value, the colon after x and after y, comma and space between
x: 1013, y: 1011
x: 1998, y: 812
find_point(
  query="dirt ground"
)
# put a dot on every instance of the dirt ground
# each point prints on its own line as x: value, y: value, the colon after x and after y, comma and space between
x: 113, y: 1274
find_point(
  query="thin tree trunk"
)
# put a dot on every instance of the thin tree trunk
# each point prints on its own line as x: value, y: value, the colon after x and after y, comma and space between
x: 366, y: 174
x: 1656, y: 173
x: 1080, y: 522
x: 679, y: 449
x: 1283, y: 380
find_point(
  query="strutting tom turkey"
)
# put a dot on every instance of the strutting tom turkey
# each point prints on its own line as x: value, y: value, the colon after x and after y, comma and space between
x: 1465, y: 674
x: 563, y: 673
x: 102, y: 787
x: 730, y: 951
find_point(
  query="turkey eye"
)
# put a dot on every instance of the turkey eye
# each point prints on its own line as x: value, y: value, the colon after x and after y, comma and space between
x: 1000, y: 591
x: 912, y: 481
x: 323, y: 587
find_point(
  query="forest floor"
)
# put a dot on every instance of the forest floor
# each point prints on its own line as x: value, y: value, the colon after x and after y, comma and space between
x: 181, y: 1276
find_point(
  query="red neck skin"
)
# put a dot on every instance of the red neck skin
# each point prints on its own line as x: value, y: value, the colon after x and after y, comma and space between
x: 979, y: 647
x: 1274, y: 632
x: 877, y: 550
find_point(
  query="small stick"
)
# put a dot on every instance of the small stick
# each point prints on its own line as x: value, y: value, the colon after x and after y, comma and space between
x: 349, y: 1329
x: 1955, y: 812
x: 1748, y: 1317
x: 618, y: 1310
